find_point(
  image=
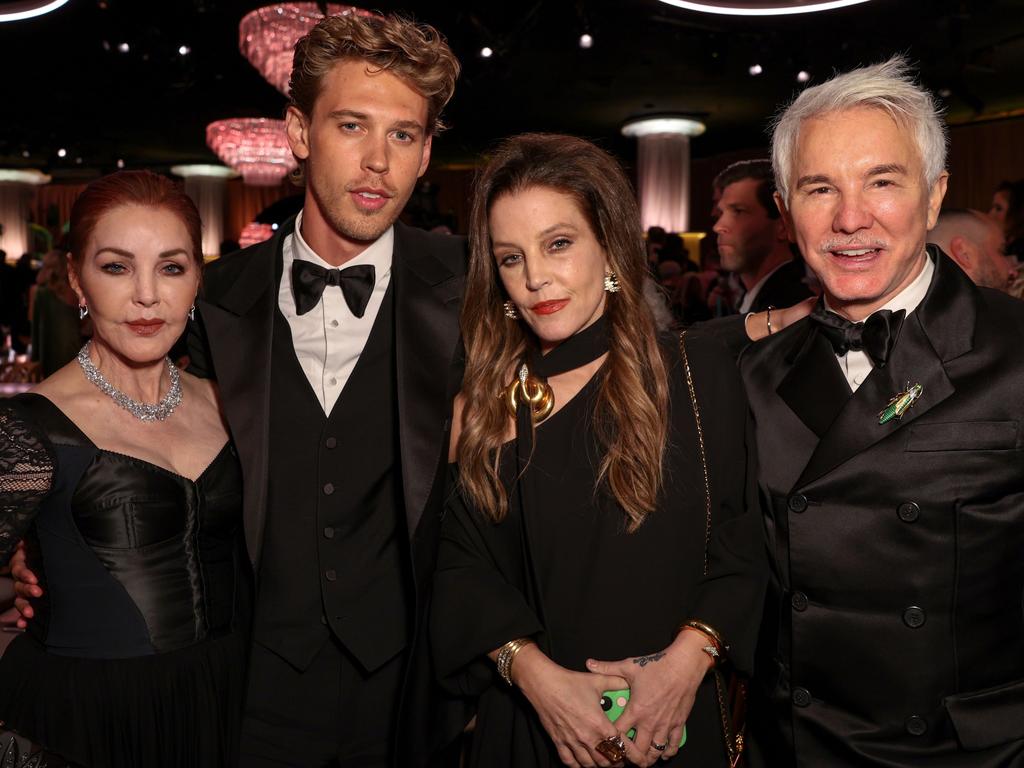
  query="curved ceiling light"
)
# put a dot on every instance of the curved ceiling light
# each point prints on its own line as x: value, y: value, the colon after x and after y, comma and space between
x: 735, y: 8
x: 650, y: 126
x: 27, y: 9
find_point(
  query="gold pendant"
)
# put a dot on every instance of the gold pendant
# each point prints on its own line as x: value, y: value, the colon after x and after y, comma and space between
x: 531, y: 390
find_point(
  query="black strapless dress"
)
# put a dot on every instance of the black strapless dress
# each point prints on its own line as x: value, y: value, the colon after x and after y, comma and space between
x: 137, y: 653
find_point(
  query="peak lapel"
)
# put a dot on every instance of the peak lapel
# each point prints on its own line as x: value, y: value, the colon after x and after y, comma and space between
x: 940, y: 329
x: 814, y: 387
x: 427, y: 295
x: 239, y: 331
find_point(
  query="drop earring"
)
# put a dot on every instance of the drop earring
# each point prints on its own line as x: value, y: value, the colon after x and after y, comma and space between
x: 611, y: 282
x: 510, y: 310
x: 83, y: 311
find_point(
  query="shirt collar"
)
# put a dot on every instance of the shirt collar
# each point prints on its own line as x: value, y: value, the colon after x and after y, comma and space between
x: 379, y: 253
x: 755, y: 289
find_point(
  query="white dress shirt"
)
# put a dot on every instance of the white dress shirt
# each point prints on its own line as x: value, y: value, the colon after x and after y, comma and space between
x: 329, y: 338
x: 856, y: 365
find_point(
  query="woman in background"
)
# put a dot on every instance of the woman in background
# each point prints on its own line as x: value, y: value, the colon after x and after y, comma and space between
x: 605, y: 533
x: 56, y: 327
x: 1007, y: 210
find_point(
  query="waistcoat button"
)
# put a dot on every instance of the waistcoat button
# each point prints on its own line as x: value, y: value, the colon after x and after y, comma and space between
x: 914, y: 617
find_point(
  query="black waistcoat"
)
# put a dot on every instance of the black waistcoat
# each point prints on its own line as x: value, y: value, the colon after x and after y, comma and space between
x: 334, y: 548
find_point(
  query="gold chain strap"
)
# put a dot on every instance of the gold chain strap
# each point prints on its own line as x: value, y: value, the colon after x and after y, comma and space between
x: 734, y: 743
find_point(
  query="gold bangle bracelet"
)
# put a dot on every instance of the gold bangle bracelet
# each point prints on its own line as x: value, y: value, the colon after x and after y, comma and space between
x: 716, y: 647
x: 507, y: 654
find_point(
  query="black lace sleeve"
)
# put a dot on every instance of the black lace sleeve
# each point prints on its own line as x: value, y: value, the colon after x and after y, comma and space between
x: 26, y: 475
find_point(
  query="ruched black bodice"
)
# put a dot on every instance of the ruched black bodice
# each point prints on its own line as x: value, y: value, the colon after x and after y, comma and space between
x: 146, y: 604
x: 136, y: 559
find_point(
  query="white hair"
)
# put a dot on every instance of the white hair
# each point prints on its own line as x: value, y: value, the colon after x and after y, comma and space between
x: 890, y: 87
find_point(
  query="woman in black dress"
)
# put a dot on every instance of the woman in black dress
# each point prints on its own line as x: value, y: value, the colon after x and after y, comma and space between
x: 118, y: 471
x: 600, y: 539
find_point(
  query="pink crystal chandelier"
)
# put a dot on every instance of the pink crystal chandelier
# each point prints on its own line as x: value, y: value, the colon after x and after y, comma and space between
x: 267, y: 36
x: 256, y: 147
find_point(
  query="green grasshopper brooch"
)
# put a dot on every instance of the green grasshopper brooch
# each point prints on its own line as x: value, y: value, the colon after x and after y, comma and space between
x: 900, y: 404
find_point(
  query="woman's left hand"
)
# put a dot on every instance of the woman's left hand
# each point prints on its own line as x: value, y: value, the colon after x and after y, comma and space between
x: 662, y: 687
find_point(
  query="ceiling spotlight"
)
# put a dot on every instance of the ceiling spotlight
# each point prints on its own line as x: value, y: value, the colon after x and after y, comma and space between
x: 62, y: 152
x: 945, y: 93
x: 780, y: 8
x: 755, y: 69
x: 106, y: 45
x: 274, y: 226
x: 586, y: 41
x: 486, y: 52
x: 120, y: 163
x: 25, y: 153
x: 803, y: 76
x: 184, y: 50
x: 124, y: 48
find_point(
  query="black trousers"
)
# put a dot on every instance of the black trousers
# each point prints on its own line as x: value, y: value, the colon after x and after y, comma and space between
x: 332, y: 715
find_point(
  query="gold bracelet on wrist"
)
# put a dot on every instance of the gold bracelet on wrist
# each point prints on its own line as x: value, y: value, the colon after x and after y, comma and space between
x: 716, y: 647
x: 768, y: 319
x: 507, y: 654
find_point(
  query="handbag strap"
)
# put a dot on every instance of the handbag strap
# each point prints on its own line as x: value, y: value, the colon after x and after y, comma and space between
x: 733, y: 732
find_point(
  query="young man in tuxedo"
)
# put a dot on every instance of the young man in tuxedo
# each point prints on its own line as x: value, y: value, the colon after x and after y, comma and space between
x: 334, y: 345
x: 891, y: 466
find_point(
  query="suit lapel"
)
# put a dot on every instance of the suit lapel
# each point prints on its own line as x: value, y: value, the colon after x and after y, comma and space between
x: 427, y: 296
x: 941, y: 329
x: 239, y: 330
x: 814, y: 388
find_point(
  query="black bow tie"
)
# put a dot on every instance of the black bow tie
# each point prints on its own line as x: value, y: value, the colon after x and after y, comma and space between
x: 876, y: 336
x: 309, y: 281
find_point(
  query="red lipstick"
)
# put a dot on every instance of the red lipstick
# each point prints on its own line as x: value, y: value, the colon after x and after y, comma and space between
x: 146, y: 327
x: 548, y: 307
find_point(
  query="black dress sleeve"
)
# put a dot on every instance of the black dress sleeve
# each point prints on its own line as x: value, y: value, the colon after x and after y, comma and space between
x: 730, y: 597
x: 479, y: 600
x: 27, y: 466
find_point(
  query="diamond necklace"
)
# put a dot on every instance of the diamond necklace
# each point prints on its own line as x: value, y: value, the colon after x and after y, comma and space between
x: 143, y: 411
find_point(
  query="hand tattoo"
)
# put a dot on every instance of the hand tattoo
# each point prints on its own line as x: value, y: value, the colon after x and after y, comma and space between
x: 643, y: 661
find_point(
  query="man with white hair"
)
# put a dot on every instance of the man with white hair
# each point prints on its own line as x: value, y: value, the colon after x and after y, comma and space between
x: 977, y: 244
x: 888, y: 425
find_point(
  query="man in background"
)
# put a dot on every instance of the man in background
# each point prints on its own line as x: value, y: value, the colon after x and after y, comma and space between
x: 976, y: 243
x: 752, y: 240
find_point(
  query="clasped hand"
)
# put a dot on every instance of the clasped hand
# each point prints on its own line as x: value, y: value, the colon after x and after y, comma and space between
x: 662, y: 688
x: 568, y: 704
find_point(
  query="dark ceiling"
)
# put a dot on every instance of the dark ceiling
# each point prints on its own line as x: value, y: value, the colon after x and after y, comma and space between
x: 68, y: 85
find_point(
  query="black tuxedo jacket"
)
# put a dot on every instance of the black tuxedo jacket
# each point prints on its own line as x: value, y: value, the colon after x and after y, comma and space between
x: 785, y: 287
x: 894, y: 630
x: 231, y: 342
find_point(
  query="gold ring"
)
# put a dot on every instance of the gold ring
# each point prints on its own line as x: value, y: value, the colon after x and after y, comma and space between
x: 612, y: 748
x: 659, y: 747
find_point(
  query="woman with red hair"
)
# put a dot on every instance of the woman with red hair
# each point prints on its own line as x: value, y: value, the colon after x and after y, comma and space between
x: 117, y: 470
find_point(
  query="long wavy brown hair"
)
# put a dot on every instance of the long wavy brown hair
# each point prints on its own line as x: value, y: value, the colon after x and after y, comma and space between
x: 629, y: 412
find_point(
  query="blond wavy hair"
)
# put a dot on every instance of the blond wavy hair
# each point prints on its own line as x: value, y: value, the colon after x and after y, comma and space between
x: 632, y: 400
x: 416, y: 53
